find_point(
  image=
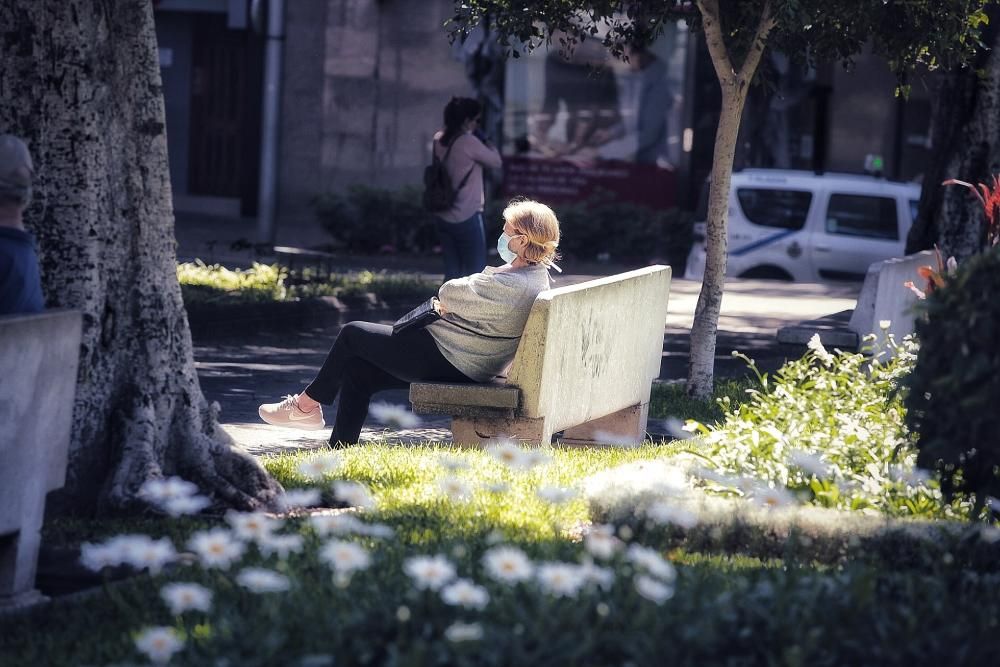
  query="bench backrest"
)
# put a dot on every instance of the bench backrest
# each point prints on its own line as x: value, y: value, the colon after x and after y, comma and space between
x: 593, y: 348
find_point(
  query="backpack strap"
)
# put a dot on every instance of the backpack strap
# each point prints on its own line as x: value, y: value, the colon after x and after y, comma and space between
x: 447, y: 152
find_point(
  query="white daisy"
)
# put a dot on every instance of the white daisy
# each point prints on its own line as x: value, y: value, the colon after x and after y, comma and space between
x: 185, y: 505
x: 772, y: 498
x: 112, y: 553
x: 335, y: 524
x: 600, y: 541
x: 810, y: 463
x: 651, y: 561
x: 816, y: 346
x: 261, y: 580
x: 602, y: 577
x: 664, y: 513
x: 143, y: 552
x: 182, y: 597
x: 281, y: 545
x: 159, y: 491
x: 463, y: 632
x: 345, y: 557
x: 394, y: 416
x: 560, y: 579
x: 159, y: 644
x: 318, y: 467
x: 354, y: 494
x: 653, y: 590
x: 508, y: 565
x: 430, y: 572
x: 555, y: 494
x: 296, y: 498
x: 216, y: 548
x: 452, y: 463
x: 464, y: 593
x: 455, y: 488
x: 252, y: 526
x: 677, y: 429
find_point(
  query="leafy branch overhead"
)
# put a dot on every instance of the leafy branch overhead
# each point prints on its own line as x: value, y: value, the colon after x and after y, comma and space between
x: 907, y: 33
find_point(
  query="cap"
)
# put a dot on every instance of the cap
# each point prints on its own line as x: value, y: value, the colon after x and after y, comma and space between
x: 16, y: 169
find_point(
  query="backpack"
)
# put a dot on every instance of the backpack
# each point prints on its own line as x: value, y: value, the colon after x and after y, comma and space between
x: 439, y: 193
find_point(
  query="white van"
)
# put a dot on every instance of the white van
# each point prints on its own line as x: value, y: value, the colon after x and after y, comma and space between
x: 796, y: 225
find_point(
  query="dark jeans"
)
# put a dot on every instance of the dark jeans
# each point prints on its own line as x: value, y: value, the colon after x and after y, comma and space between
x: 367, y: 358
x: 463, y: 245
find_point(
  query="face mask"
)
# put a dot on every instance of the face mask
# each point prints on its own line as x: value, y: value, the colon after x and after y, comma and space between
x: 503, y: 247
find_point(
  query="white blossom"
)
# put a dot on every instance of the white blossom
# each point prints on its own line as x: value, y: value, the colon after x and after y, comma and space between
x: 677, y: 429
x: 395, y: 416
x: 185, y: 506
x: 182, y: 597
x: 653, y: 590
x: 602, y: 577
x: 560, y: 579
x: 159, y: 491
x: 216, y: 548
x: 810, y: 463
x: 335, y: 524
x: 816, y: 346
x: 146, y: 553
x: 354, y: 494
x: 159, y: 643
x: 297, y: 498
x: 772, y: 498
x: 252, y: 526
x: 452, y: 463
x: 464, y: 593
x: 455, y: 488
x: 600, y: 541
x: 508, y: 565
x: 430, y: 572
x: 652, y: 562
x: 345, y: 557
x: 555, y: 494
x: 463, y: 632
x: 319, y: 466
x: 261, y: 580
x: 281, y: 545
x: 664, y: 513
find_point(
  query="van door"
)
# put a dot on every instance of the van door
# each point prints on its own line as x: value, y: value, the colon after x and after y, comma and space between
x: 857, y: 230
x: 765, y: 232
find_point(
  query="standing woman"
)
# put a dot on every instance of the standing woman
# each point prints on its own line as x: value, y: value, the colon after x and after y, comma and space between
x: 464, y: 152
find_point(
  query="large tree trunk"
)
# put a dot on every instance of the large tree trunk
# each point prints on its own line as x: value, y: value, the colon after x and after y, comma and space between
x: 966, y: 139
x: 80, y: 81
x: 735, y: 85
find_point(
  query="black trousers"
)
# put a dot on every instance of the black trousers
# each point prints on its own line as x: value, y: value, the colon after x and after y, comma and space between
x: 367, y: 358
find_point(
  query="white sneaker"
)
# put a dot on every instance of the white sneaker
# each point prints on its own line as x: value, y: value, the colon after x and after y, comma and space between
x: 287, y: 413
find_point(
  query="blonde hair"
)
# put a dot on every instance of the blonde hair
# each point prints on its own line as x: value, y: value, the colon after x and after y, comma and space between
x: 540, y: 227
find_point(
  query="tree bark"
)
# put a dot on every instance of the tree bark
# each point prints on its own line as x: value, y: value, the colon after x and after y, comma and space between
x: 966, y: 143
x: 80, y: 82
x: 735, y: 84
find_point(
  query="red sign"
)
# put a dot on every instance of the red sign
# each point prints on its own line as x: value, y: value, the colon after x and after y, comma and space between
x: 560, y: 181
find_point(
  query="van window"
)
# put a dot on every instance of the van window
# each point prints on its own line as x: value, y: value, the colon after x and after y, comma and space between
x: 786, y: 209
x: 862, y: 215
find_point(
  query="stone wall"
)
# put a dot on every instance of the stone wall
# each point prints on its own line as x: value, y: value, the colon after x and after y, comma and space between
x: 345, y: 59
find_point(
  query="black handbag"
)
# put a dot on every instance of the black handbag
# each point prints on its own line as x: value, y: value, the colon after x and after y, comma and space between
x: 417, y: 318
x: 425, y: 313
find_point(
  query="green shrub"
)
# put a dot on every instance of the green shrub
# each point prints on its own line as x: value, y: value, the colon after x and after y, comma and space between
x: 829, y: 428
x: 671, y: 400
x: 202, y: 283
x: 953, y: 401
x: 368, y: 220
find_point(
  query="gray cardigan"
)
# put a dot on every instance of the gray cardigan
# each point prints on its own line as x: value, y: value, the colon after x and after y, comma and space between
x: 495, y: 302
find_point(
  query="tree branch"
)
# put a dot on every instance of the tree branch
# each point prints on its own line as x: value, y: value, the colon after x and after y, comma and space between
x: 712, y: 25
x: 767, y: 23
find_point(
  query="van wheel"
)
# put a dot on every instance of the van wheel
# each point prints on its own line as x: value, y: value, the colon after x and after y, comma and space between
x: 767, y: 273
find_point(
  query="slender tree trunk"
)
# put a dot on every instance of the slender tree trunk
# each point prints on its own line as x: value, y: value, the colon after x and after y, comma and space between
x: 966, y: 139
x: 80, y: 81
x: 735, y: 84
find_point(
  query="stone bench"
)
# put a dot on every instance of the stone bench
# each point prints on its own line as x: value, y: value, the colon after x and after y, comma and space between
x: 585, y: 365
x: 38, y: 364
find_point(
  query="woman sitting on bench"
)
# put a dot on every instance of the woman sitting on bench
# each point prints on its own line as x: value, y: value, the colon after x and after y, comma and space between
x: 482, y: 318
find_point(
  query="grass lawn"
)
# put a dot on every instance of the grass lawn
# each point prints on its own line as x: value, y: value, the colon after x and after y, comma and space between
x: 473, y: 557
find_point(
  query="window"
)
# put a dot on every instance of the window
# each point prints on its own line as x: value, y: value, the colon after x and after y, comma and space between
x: 786, y: 209
x: 860, y: 215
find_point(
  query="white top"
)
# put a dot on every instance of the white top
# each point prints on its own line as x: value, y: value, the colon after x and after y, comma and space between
x: 467, y: 152
x: 496, y: 302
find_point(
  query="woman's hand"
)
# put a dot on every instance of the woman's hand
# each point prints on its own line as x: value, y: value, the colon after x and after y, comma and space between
x: 438, y: 308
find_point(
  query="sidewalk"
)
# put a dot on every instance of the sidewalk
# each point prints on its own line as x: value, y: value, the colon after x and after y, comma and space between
x: 263, y: 366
